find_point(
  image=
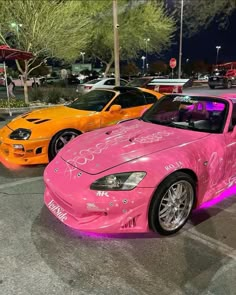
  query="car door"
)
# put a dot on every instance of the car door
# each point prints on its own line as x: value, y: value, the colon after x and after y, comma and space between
x: 132, y: 104
x: 230, y: 138
x: 110, y: 83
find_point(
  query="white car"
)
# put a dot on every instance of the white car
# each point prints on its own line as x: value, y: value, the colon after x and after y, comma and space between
x: 108, y: 83
x: 31, y: 82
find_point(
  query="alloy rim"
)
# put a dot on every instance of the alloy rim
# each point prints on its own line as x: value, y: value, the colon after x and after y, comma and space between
x: 63, y: 139
x: 176, y: 205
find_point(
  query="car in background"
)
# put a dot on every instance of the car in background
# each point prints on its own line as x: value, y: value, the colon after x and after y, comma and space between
x: 73, y: 80
x: 18, y: 82
x: 31, y: 82
x: 107, y: 83
x: 160, y: 84
x: 203, y: 77
x: 36, y: 137
x: 222, y: 78
x: 147, y: 173
x: 53, y: 80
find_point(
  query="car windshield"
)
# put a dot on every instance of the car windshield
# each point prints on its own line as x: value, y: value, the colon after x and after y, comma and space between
x: 204, y: 114
x: 94, y: 81
x: 94, y: 100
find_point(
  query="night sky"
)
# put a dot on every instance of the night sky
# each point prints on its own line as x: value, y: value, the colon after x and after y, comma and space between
x: 202, y: 46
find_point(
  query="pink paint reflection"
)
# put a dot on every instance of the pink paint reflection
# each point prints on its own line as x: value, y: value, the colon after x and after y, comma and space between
x: 226, y: 194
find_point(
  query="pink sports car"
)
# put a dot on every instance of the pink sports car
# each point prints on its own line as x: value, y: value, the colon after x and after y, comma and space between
x: 148, y: 173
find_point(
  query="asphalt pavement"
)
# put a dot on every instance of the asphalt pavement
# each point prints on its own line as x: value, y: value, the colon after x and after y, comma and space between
x: 40, y: 255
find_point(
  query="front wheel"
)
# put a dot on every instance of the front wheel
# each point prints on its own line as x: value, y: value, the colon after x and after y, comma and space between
x: 59, y: 140
x: 172, y: 204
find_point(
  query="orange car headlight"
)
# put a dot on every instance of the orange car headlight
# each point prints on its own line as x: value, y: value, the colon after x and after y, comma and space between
x: 20, y: 134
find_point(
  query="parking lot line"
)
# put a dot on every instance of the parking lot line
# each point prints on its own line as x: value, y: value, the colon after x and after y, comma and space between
x: 19, y: 182
x: 211, y: 243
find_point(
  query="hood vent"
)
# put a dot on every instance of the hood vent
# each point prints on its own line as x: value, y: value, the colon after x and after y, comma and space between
x: 37, y: 121
x: 32, y: 120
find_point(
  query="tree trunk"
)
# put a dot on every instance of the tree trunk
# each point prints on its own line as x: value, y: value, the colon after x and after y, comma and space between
x: 108, y: 66
x: 26, y: 90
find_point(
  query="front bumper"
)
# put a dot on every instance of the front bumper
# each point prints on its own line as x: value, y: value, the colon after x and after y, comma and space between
x: 33, y: 151
x: 220, y: 83
x: 70, y: 199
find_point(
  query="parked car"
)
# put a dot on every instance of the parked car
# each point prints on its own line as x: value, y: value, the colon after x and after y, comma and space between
x: 222, y: 78
x: 147, y: 173
x: 18, y: 82
x: 73, y: 80
x: 107, y: 83
x: 52, y: 80
x: 36, y: 137
x: 160, y: 84
x: 31, y: 82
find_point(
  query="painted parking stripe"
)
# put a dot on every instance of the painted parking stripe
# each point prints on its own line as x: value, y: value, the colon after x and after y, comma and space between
x: 211, y: 243
x: 19, y: 182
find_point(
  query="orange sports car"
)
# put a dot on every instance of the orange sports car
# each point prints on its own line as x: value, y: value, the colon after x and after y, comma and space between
x: 37, y: 136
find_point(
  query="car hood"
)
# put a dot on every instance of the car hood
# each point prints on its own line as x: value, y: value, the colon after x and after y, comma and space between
x: 103, y: 149
x: 41, y: 116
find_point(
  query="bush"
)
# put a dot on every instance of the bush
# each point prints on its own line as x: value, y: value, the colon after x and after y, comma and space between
x: 36, y: 94
x: 52, y: 94
x: 14, y: 103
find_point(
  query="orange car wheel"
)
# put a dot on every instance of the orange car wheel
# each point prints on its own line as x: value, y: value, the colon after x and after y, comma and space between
x: 59, y: 140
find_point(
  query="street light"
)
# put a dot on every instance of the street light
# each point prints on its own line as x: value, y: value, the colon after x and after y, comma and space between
x: 146, y: 46
x: 217, y: 53
x: 82, y: 53
x: 143, y: 58
x: 17, y: 26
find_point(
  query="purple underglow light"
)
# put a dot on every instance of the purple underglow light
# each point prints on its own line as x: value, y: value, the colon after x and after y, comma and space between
x: 105, y: 236
x: 224, y: 195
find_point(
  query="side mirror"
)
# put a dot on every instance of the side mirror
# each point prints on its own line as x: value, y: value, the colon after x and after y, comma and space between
x: 115, y: 108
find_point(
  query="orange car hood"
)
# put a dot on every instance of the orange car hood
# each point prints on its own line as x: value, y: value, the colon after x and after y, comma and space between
x: 34, y: 118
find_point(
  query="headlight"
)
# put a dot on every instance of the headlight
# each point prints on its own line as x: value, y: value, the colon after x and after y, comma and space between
x: 118, y: 182
x: 20, y: 134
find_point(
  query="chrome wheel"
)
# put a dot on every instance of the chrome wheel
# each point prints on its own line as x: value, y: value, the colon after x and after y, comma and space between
x: 175, y: 205
x: 63, y: 139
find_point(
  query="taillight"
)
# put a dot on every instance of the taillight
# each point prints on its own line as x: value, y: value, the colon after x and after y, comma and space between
x: 88, y: 87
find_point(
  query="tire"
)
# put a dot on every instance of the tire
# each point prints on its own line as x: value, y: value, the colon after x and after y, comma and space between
x: 212, y: 87
x: 165, y: 205
x: 229, y: 84
x: 59, y: 140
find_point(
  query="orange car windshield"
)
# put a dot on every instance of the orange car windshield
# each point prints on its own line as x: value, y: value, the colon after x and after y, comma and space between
x: 94, y: 100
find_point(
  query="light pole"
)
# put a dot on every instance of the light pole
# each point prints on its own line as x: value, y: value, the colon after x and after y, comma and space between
x: 146, y: 46
x: 217, y: 53
x: 116, y: 43
x: 180, y: 38
x: 143, y: 58
x: 82, y: 53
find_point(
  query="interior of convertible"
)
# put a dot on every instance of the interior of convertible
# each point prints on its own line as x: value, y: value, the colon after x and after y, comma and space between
x: 197, y: 113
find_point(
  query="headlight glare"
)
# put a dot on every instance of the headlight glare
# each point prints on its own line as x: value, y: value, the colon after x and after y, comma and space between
x: 20, y: 134
x: 118, y: 182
